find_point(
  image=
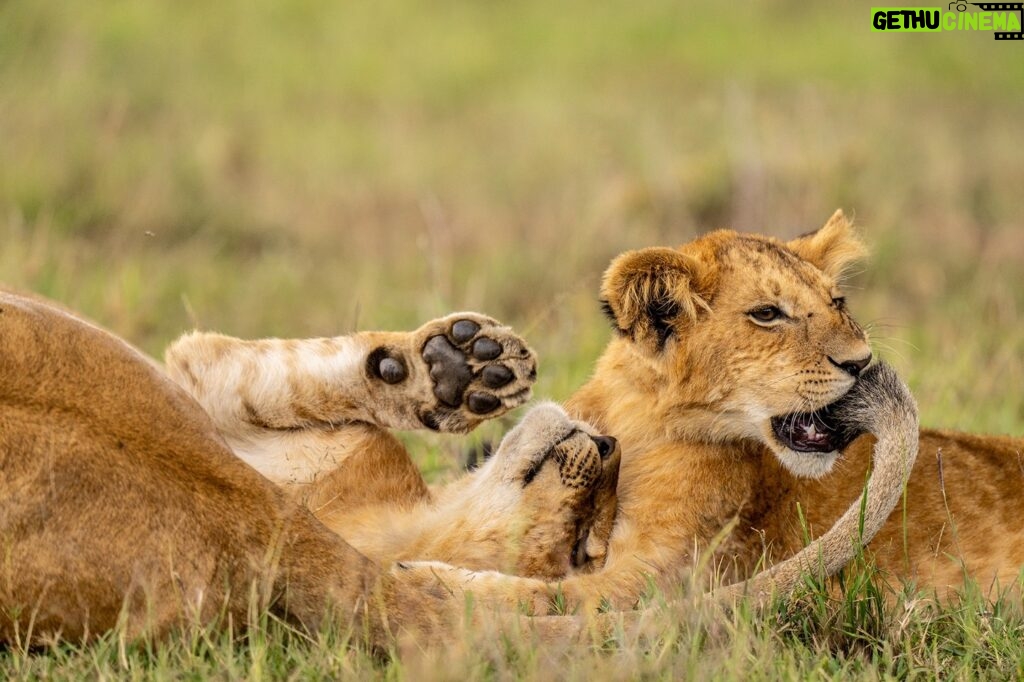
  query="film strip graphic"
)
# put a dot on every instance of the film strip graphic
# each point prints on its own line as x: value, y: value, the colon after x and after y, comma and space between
x: 1005, y: 7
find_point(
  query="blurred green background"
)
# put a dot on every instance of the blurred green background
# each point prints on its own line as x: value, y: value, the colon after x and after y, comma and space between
x: 311, y: 167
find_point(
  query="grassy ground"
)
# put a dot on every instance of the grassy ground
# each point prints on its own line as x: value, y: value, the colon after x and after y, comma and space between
x: 309, y: 168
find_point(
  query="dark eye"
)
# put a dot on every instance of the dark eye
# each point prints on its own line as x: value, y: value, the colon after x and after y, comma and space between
x: 605, y: 445
x: 766, y: 313
x: 532, y: 472
x: 839, y: 302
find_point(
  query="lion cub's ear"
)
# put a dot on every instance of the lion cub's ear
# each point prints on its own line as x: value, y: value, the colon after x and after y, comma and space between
x: 648, y: 293
x: 833, y: 248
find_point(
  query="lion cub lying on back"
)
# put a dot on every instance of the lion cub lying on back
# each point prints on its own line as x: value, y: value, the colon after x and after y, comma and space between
x: 542, y: 506
x: 122, y: 506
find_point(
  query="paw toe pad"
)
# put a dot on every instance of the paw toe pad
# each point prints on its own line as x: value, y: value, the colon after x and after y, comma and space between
x: 464, y: 330
x: 391, y: 370
x: 486, y: 349
x: 496, y: 376
x: 482, y: 403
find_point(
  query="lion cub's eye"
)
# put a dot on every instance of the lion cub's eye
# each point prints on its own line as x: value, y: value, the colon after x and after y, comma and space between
x: 839, y: 302
x: 766, y: 313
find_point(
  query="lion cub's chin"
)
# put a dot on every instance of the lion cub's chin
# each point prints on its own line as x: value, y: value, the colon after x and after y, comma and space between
x: 806, y: 464
x: 803, y: 464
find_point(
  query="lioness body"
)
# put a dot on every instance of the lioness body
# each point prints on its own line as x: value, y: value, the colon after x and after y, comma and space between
x: 120, y: 501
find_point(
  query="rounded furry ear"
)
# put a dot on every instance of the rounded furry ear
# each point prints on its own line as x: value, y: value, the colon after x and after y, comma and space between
x: 648, y: 293
x: 833, y: 248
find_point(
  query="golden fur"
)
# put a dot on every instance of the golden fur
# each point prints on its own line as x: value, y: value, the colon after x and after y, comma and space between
x: 311, y: 416
x: 121, y: 502
x: 542, y: 505
x: 713, y: 340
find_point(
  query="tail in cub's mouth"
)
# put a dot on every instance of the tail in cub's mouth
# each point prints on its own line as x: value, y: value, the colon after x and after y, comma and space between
x: 880, y: 404
x: 808, y: 443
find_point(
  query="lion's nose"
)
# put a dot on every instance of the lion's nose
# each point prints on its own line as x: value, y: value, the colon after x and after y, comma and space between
x: 605, y: 445
x: 851, y: 367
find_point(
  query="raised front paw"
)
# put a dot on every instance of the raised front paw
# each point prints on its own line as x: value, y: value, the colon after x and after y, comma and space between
x: 463, y: 369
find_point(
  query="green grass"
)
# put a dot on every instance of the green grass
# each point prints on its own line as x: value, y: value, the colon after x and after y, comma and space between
x: 309, y: 168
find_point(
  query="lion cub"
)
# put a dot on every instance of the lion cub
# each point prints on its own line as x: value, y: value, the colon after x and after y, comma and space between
x: 312, y: 416
x: 542, y: 506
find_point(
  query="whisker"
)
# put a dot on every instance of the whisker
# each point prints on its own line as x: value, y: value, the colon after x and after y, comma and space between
x: 889, y: 350
x: 888, y: 322
x: 896, y: 339
x: 782, y: 378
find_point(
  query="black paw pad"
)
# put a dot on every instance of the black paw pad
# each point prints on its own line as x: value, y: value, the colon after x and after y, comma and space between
x: 389, y: 368
x: 464, y: 330
x: 496, y: 376
x: 486, y: 349
x: 448, y: 369
x: 482, y: 403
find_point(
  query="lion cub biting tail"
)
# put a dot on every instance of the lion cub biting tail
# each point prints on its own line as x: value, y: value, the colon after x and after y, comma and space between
x: 727, y: 353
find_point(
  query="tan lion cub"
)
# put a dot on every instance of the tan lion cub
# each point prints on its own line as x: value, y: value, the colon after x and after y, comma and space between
x: 726, y: 355
x: 542, y: 506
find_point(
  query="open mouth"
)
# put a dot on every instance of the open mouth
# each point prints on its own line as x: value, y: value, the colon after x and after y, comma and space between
x: 819, y: 431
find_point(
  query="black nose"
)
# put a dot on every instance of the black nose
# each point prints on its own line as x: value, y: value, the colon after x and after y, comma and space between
x: 605, y: 445
x: 852, y: 367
